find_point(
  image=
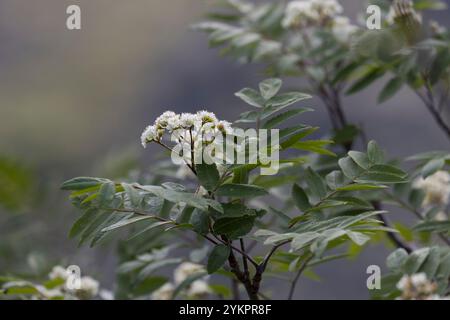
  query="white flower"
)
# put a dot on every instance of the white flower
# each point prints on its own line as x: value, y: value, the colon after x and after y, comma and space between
x: 416, y: 286
x: 298, y: 13
x: 441, y: 216
x: 59, y: 272
x: 173, y: 123
x: 327, y: 8
x: 163, y: 120
x: 224, y: 127
x: 198, y: 288
x: 106, y: 294
x: 343, y: 29
x: 436, y: 188
x: 437, y: 297
x: 301, y: 13
x: 185, y: 270
x: 436, y: 28
x: 88, y: 288
x: 206, y: 116
x: 403, y: 283
x: 419, y: 279
x: 188, y: 120
x: 150, y: 134
x: 402, y: 9
x: 164, y: 293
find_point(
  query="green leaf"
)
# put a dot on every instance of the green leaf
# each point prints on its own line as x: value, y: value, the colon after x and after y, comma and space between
x: 346, y: 72
x: 251, y: 97
x: 319, y: 246
x: 388, y: 169
x: 357, y: 237
x: 316, y: 184
x: 397, y: 259
x: 379, y: 177
x: 439, y: 65
x: 360, y: 158
x: 287, y: 99
x: 360, y: 187
x: 147, y: 286
x: 125, y: 222
x: 219, y: 255
x: 432, y: 262
x: 133, y: 195
x: 81, y: 183
x: 293, y: 136
x: 301, y: 240
x: 235, y: 210
x: 433, y: 226
x: 375, y: 153
x: 153, y: 266
x: 270, y: 87
x: 271, y: 123
x: 300, y: 198
x: 367, y: 79
x: 432, y: 167
x: 240, y: 191
x: 200, y: 221
x: 191, y: 199
x: 350, y: 169
x: 106, y: 194
x: 390, y: 89
x: 208, y: 175
x: 83, y: 222
x: 415, y: 260
x: 335, y: 179
x: 94, y: 227
x: 234, y: 228
x: 315, y: 146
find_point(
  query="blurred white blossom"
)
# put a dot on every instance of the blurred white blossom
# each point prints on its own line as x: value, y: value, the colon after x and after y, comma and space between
x: 402, y: 9
x: 198, y: 289
x: 165, y: 292
x: 416, y: 287
x: 343, y: 29
x: 185, y: 270
x: 150, y: 134
x: 301, y: 13
x: 89, y: 288
x: 436, y: 188
x: 58, y: 272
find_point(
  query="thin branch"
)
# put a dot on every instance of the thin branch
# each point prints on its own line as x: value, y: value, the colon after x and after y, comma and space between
x: 429, y: 102
x: 297, y: 277
x: 250, y: 259
x: 407, y: 207
x: 266, y: 260
x: 244, y: 259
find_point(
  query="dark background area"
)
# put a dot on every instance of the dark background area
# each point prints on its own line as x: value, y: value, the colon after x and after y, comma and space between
x: 71, y: 99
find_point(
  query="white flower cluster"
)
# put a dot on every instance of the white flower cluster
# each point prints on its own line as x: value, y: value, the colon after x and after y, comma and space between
x: 186, y: 126
x: 88, y: 288
x: 418, y: 287
x: 304, y: 12
x: 343, y: 29
x: 436, y: 28
x: 436, y: 188
x: 315, y: 12
x: 197, y: 289
x: 403, y: 9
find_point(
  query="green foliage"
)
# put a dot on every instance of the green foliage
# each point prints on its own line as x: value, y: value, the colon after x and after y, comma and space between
x: 17, y: 185
x: 434, y: 262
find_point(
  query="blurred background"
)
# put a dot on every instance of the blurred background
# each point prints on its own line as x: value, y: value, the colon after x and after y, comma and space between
x: 74, y: 103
